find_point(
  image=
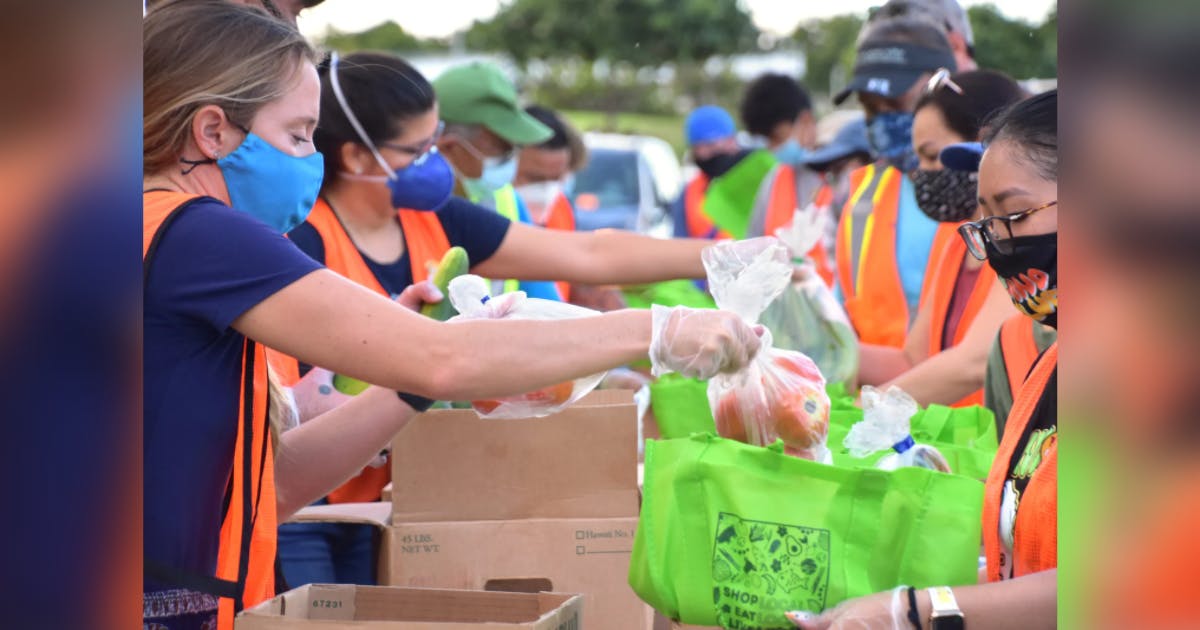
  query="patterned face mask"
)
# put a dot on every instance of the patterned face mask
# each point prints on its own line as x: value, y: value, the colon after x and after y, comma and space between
x: 946, y: 195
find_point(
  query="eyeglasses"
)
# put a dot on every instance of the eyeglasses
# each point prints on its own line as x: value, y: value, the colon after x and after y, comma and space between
x: 420, y: 149
x: 940, y: 79
x: 996, y: 230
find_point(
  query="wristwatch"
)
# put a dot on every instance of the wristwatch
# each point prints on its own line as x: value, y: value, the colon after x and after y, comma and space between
x: 945, y: 614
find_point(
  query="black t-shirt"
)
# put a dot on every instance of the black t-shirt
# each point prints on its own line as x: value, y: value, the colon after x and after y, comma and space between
x: 471, y: 227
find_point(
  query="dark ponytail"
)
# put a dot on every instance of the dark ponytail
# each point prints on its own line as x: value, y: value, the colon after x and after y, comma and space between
x: 1031, y: 125
x: 383, y: 91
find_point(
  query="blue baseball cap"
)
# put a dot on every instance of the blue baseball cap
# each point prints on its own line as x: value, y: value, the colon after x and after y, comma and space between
x: 707, y: 123
x: 850, y: 139
x: 963, y: 156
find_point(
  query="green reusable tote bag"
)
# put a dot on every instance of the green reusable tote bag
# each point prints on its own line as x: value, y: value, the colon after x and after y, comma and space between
x: 735, y: 535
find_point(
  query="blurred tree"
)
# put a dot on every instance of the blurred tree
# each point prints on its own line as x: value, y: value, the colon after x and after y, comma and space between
x: 388, y: 36
x: 828, y: 46
x: 1016, y: 47
x: 638, y: 32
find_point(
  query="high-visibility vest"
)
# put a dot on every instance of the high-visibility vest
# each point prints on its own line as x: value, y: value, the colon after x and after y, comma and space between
x: 778, y: 204
x: 245, y: 574
x: 947, y: 258
x: 1018, y: 348
x: 867, y: 270
x: 698, y: 223
x: 504, y: 202
x: 561, y: 216
x: 426, y: 242
x: 1035, y: 532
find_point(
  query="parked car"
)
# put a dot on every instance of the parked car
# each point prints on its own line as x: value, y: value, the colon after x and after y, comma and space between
x: 628, y: 183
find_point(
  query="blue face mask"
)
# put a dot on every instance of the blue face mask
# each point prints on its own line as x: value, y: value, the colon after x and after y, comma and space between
x: 890, y: 135
x: 274, y: 187
x: 790, y: 152
x: 497, y: 173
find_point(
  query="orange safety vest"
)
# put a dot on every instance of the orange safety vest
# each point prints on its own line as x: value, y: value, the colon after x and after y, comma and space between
x: 245, y: 574
x: 780, y: 210
x: 1035, y: 533
x: 426, y: 242
x: 698, y: 223
x: 948, y: 255
x: 866, y: 257
x: 561, y: 217
x: 1018, y: 347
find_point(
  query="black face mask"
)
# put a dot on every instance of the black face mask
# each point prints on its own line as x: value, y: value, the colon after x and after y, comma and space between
x: 946, y: 195
x: 1030, y: 272
x: 718, y: 165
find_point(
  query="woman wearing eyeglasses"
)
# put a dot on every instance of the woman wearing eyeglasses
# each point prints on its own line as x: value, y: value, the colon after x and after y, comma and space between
x: 945, y: 355
x: 1018, y: 237
x: 385, y: 214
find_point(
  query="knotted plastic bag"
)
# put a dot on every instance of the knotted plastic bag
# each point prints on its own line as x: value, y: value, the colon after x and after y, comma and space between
x: 806, y: 316
x: 885, y: 425
x: 781, y: 393
x: 470, y: 295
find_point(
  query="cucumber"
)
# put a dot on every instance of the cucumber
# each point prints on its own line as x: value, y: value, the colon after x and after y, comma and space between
x: 454, y: 264
x: 349, y: 386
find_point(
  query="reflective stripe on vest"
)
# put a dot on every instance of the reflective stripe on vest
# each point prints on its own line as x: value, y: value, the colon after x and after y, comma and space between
x: 245, y: 574
x: 866, y: 257
x: 426, y: 242
x: 947, y: 258
x: 1018, y: 348
x: 698, y: 223
x: 506, y: 206
x: 1035, y: 533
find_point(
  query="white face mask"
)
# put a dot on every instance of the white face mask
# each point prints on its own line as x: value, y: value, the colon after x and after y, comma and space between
x: 539, y: 198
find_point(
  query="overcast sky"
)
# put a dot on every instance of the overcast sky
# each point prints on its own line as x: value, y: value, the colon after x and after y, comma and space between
x: 443, y: 17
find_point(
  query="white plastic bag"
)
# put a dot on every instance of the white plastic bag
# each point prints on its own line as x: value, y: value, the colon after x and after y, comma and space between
x: 885, y: 425
x: 470, y: 296
x: 807, y: 317
x: 781, y: 393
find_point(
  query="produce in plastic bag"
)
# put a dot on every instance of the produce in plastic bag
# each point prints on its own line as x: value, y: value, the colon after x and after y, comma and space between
x: 806, y: 316
x: 781, y: 394
x: 470, y: 296
x: 885, y: 425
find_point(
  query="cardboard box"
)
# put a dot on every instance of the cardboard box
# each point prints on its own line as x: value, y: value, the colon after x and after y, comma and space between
x: 524, y: 505
x: 346, y: 607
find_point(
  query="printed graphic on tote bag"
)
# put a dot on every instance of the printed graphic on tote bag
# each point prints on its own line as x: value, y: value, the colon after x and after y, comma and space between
x: 761, y: 570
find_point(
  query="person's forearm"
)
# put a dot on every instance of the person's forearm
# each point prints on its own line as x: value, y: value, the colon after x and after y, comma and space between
x: 618, y: 257
x: 326, y: 320
x: 325, y: 452
x: 943, y: 379
x: 1029, y: 602
x: 879, y: 364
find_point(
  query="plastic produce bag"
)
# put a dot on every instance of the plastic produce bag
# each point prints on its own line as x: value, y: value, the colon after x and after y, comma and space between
x: 807, y: 317
x: 781, y: 393
x: 885, y: 425
x: 470, y: 296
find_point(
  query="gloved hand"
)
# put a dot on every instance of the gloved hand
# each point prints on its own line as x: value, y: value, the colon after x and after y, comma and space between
x: 882, y: 611
x: 700, y: 343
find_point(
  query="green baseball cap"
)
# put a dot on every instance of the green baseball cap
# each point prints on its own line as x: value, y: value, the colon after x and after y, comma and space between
x: 478, y: 93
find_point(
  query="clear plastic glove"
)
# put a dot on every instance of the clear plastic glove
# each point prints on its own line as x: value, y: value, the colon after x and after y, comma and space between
x: 472, y: 298
x: 881, y: 611
x: 700, y: 343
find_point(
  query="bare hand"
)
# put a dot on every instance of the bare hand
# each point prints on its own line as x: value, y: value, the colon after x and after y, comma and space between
x: 420, y: 293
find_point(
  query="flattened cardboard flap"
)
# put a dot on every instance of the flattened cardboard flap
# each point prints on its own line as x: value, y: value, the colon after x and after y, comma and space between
x: 376, y: 513
x: 451, y: 465
x: 418, y: 606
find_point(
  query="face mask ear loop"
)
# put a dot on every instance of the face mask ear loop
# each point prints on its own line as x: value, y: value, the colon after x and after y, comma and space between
x: 358, y: 128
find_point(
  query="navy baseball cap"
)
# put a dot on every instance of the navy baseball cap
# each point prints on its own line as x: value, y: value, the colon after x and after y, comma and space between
x: 891, y: 68
x: 707, y: 123
x: 963, y: 156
